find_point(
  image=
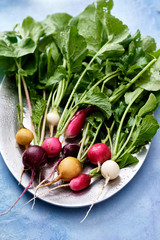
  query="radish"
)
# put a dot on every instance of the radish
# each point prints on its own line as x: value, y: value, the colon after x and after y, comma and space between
x: 75, y: 125
x: 70, y: 149
x: 80, y: 182
x: 24, y: 137
x: 98, y: 154
x: 110, y: 171
x: 33, y: 157
x: 76, y: 184
x: 52, y: 146
x: 69, y: 167
x: 53, y: 120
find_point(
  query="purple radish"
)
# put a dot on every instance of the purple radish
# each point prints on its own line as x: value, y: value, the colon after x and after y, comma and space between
x: 98, y: 154
x: 70, y: 149
x: 75, y: 125
x: 33, y: 157
x: 52, y: 146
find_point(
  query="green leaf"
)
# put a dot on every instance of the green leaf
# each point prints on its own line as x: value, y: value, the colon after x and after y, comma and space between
x: 31, y: 29
x: 103, y: 6
x: 149, y: 106
x: 89, y: 26
x: 18, y: 49
x: 7, y: 65
x: 130, y: 95
x: 151, y: 80
x: 73, y: 48
x: 111, y: 50
x: 58, y: 75
x: 55, y: 23
x: 100, y: 100
x: 117, y: 32
x: 148, y: 44
x: 118, y: 110
x: 6, y: 50
x: 127, y: 160
x: 24, y: 47
x: 38, y: 111
x: 145, y: 131
x: 95, y: 119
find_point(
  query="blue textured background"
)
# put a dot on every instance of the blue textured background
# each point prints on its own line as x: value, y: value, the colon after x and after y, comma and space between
x: 131, y: 214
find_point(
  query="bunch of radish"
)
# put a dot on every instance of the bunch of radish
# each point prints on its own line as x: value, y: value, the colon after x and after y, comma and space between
x: 68, y: 166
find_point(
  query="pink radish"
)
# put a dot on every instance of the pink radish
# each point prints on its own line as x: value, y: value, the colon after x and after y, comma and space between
x: 99, y: 153
x: 33, y: 157
x: 77, y: 122
x: 80, y: 182
x: 52, y: 146
x: 76, y: 184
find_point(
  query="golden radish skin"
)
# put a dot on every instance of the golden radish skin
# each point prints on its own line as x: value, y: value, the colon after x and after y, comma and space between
x: 24, y: 137
x: 69, y: 167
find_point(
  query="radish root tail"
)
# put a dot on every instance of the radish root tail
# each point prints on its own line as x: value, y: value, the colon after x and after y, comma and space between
x: 43, y: 193
x: 29, y: 184
x: 44, y: 180
x: 105, y: 184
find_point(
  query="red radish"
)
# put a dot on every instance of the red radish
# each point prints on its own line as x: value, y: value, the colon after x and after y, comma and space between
x: 77, y: 122
x: 33, y: 157
x: 99, y: 153
x: 80, y: 182
x: 52, y: 146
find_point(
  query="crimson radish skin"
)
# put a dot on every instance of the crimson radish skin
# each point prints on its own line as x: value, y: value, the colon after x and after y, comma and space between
x: 34, y: 157
x: 77, y: 122
x: 99, y: 153
x: 81, y: 182
x: 52, y: 146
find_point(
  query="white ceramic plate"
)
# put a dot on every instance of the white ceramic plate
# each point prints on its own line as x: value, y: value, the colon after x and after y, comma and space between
x: 12, y: 156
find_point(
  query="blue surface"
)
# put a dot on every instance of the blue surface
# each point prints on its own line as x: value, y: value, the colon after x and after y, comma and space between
x: 131, y: 214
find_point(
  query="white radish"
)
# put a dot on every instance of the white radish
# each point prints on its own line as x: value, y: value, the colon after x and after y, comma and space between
x: 53, y: 120
x: 110, y: 171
